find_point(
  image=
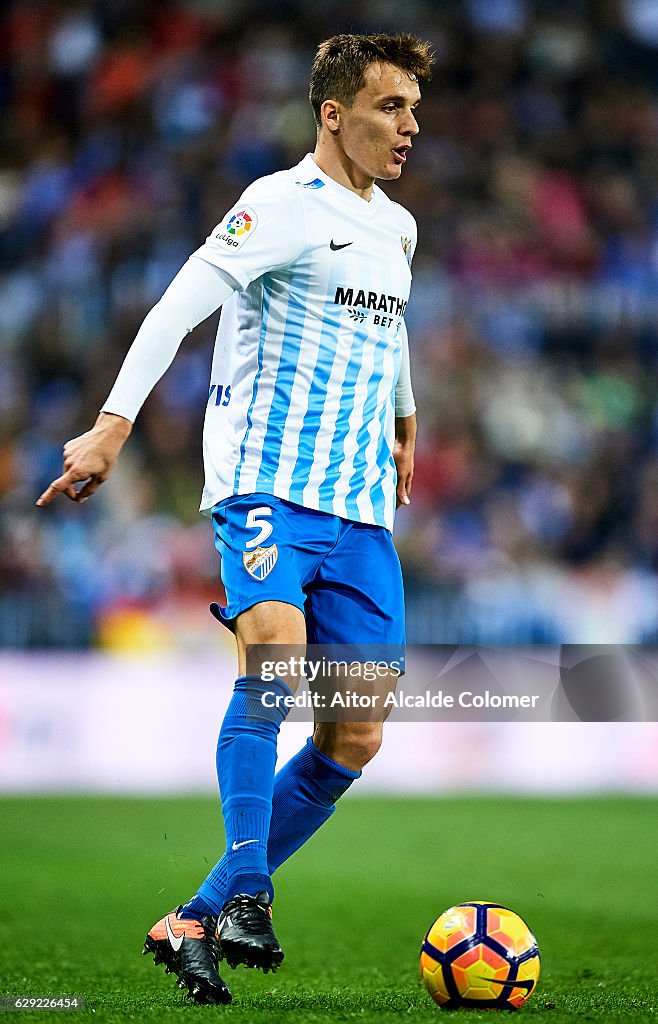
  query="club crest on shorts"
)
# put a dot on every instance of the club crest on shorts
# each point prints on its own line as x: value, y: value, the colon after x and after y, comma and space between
x: 259, y: 563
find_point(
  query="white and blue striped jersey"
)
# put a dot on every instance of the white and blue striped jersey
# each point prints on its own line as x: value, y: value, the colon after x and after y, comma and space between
x: 307, y: 355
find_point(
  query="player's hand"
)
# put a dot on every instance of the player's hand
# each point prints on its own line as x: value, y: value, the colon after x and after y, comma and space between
x: 403, y: 453
x: 89, y: 459
x: 404, y: 461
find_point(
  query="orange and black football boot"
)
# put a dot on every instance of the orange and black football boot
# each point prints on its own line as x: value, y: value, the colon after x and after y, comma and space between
x: 188, y: 948
x: 245, y: 933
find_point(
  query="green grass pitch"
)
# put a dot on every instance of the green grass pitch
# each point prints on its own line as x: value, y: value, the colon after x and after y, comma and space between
x: 84, y: 878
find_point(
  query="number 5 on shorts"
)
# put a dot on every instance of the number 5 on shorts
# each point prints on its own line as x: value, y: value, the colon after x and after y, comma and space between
x: 254, y: 523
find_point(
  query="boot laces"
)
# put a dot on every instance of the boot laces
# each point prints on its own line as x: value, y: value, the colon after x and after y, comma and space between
x: 250, y: 913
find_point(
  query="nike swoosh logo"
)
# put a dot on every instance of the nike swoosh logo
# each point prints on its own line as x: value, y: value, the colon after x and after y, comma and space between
x: 527, y: 985
x: 335, y: 248
x: 175, y: 943
x: 236, y: 846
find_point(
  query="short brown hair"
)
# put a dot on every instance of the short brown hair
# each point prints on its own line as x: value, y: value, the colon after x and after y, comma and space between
x: 341, y: 62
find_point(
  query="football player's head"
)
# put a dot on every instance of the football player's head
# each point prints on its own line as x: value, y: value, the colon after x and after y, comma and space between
x: 364, y: 92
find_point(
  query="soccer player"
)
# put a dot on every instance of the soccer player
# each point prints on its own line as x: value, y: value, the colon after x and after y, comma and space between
x: 308, y: 447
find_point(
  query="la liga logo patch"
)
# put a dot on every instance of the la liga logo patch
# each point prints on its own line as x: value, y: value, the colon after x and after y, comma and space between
x: 240, y: 223
x: 237, y: 229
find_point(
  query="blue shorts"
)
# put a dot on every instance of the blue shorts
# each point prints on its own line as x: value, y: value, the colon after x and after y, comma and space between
x: 344, y: 576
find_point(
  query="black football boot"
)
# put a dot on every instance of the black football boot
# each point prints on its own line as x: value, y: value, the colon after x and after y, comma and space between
x: 245, y: 933
x: 188, y: 948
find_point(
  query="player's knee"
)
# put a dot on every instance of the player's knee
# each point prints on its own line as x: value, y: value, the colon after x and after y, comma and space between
x: 352, y: 744
x: 363, y: 741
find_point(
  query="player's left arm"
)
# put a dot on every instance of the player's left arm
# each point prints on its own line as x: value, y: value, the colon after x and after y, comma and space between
x: 403, y: 453
x: 405, y: 426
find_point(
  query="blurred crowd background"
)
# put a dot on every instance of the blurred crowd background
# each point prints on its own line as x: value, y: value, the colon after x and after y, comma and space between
x: 128, y: 128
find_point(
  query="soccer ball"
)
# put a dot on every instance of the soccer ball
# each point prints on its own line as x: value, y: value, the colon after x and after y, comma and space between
x: 481, y: 955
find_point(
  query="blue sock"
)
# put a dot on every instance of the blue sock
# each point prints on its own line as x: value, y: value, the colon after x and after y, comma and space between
x: 305, y: 793
x: 246, y: 757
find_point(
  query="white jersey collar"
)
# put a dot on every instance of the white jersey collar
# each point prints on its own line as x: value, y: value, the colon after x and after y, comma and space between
x: 310, y: 171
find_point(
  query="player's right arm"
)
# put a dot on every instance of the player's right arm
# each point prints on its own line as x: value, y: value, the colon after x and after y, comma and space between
x: 197, y: 291
x: 251, y: 240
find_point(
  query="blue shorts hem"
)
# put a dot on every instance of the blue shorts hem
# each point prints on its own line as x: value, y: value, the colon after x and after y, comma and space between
x: 229, y: 614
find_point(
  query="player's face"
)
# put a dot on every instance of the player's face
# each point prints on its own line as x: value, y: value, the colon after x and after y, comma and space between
x: 376, y: 131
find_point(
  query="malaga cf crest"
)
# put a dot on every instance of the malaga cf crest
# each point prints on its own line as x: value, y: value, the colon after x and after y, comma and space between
x: 406, y: 247
x: 259, y: 563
